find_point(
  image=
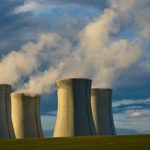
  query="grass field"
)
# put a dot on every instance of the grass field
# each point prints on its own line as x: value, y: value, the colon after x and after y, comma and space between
x: 134, y: 142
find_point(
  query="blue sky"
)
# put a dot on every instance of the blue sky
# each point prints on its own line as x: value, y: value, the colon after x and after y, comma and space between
x: 23, y: 21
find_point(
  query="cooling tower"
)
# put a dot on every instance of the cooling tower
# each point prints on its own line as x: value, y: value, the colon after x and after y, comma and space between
x: 101, y: 103
x: 26, y: 116
x: 6, y: 129
x: 74, y: 116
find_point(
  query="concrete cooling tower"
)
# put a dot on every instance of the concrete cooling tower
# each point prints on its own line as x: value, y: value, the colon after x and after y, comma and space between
x: 74, y: 116
x: 6, y: 129
x: 101, y: 103
x: 26, y: 116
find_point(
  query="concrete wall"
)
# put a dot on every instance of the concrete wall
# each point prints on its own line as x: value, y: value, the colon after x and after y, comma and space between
x: 6, y: 129
x: 101, y: 103
x: 26, y: 116
x: 74, y: 116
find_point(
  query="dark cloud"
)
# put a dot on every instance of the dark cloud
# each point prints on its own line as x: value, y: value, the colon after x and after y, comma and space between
x: 121, y: 131
x: 16, y: 29
x: 123, y: 108
x: 6, y: 22
x: 134, y: 83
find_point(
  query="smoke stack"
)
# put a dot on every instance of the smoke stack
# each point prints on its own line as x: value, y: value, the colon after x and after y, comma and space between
x: 6, y: 129
x: 101, y: 103
x: 74, y: 116
x: 26, y: 116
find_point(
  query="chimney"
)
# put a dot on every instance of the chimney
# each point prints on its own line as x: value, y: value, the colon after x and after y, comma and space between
x: 101, y: 103
x: 26, y: 116
x: 74, y: 116
x: 6, y: 129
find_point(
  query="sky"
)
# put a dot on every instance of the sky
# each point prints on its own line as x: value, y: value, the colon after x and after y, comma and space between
x: 107, y: 41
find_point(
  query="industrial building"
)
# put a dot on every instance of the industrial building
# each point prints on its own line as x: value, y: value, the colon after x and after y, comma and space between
x: 82, y: 111
x: 6, y: 129
x: 74, y: 116
x: 26, y: 116
x: 101, y: 103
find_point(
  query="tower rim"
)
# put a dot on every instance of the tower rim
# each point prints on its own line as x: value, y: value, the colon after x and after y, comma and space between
x: 26, y: 94
x: 99, y: 89
x: 65, y: 79
x: 3, y: 84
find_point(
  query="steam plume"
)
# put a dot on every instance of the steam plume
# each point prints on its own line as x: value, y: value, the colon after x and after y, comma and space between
x: 102, y: 52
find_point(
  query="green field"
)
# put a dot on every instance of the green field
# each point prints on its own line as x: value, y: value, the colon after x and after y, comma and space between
x: 134, y: 142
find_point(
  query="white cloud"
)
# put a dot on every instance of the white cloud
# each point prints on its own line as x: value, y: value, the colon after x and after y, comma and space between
x: 131, y: 101
x: 28, y: 6
x: 144, y: 114
x: 133, y: 118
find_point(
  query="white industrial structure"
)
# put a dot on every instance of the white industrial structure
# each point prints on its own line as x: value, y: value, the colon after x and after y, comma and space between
x: 26, y: 116
x: 101, y: 103
x: 82, y: 111
x: 74, y: 116
x: 6, y: 129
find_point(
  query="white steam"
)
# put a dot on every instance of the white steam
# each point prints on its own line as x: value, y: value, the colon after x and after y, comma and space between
x: 27, y: 60
x: 101, y: 54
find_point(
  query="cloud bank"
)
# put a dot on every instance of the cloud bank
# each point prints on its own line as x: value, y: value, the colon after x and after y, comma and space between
x: 132, y: 115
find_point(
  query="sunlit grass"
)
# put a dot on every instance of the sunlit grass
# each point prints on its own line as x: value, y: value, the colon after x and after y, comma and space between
x: 134, y: 142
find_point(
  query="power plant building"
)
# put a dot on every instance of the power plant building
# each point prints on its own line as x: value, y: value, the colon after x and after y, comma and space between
x: 101, y: 103
x: 6, y: 128
x: 26, y: 116
x: 74, y: 116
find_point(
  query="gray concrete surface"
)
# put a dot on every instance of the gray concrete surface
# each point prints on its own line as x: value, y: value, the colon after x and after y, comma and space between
x: 6, y: 129
x: 101, y: 103
x: 26, y: 116
x: 74, y: 116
